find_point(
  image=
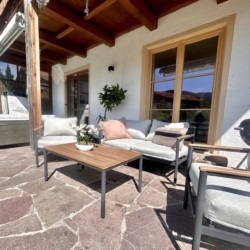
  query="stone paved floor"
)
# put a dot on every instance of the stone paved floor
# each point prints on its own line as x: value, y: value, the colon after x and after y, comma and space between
x: 64, y: 213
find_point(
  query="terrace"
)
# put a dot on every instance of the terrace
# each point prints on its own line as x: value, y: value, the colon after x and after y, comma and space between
x: 64, y: 213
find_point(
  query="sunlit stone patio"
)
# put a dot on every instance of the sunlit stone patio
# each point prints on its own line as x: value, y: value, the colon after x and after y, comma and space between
x: 64, y: 213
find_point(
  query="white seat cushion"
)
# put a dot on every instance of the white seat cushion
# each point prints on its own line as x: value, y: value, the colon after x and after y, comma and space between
x: 55, y: 140
x: 158, y: 151
x: 227, y: 200
x: 122, y: 143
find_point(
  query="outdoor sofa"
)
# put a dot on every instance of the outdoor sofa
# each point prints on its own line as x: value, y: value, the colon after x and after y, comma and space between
x: 157, y: 140
x: 219, y: 195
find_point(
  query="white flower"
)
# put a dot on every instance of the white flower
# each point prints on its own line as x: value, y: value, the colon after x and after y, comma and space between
x: 86, y: 131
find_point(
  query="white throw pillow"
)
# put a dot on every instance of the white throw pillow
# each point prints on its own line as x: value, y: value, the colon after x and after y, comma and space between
x: 138, y: 129
x: 55, y: 126
x: 177, y: 125
x: 155, y: 124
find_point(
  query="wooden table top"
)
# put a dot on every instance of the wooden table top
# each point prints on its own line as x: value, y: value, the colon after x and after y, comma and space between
x: 100, y: 157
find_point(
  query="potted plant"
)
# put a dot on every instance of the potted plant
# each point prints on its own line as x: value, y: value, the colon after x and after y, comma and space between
x: 85, y: 134
x: 110, y: 97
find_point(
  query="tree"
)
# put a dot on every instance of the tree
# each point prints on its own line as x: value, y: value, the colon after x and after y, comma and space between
x: 111, y: 97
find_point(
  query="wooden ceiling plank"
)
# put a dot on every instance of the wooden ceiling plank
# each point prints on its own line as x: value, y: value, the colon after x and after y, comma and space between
x: 62, y: 45
x: 43, y: 47
x: 3, y: 4
x: 70, y: 18
x: 10, y: 58
x: 18, y: 47
x: 221, y: 1
x: 174, y: 6
x: 64, y: 32
x: 53, y: 57
x: 103, y: 6
x: 141, y: 12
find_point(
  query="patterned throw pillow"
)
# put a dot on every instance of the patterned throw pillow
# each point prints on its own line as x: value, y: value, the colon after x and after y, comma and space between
x: 167, y: 136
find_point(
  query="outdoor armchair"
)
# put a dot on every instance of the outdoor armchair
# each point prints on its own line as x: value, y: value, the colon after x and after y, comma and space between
x: 220, y: 197
x: 54, y: 131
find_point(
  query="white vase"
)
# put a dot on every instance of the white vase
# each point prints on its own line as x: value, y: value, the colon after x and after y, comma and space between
x: 84, y: 147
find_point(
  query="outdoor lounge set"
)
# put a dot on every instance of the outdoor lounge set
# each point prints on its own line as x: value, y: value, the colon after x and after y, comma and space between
x: 220, y: 195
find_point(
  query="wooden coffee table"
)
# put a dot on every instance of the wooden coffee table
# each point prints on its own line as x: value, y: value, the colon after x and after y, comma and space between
x: 102, y: 158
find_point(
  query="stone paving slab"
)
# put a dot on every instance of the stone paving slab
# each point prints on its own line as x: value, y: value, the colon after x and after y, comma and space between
x: 64, y: 212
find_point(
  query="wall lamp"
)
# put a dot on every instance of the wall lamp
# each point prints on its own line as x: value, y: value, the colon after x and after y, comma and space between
x: 12, y: 31
x: 111, y: 68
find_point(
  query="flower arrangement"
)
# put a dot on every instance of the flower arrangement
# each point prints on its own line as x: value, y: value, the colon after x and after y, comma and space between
x: 85, y: 133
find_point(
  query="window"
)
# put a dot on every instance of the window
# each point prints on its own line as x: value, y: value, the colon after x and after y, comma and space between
x: 12, y: 79
x: 182, y: 83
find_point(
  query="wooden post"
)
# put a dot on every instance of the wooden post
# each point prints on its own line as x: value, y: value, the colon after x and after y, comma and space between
x: 33, y: 68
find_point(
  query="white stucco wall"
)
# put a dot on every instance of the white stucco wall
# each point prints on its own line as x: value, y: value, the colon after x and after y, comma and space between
x: 126, y: 56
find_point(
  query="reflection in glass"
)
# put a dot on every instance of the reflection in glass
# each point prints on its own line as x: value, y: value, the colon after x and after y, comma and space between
x: 162, y: 115
x: 199, y: 119
x: 163, y: 95
x: 197, y: 92
x: 198, y: 73
x: 164, y: 65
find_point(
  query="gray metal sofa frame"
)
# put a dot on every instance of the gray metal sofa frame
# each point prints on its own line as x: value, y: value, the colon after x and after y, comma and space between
x: 198, y: 201
x: 190, y: 136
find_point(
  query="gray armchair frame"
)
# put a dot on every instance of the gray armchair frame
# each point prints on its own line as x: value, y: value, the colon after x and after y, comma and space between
x: 198, y: 201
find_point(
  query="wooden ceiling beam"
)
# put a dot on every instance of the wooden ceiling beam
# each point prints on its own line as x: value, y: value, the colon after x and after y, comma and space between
x: 103, y: 6
x: 70, y: 18
x: 53, y: 57
x: 64, y: 32
x: 174, y: 6
x: 141, y: 12
x: 21, y: 61
x: 17, y: 47
x: 221, y: 1
x: 61, y: 44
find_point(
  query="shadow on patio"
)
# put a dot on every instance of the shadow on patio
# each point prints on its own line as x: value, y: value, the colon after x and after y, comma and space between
x: 64, y: 212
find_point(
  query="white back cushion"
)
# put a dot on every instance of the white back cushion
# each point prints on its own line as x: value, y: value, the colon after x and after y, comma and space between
x: 54, y: 126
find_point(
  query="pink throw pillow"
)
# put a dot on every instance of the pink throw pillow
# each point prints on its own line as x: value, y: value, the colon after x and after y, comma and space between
x: 114, y: 129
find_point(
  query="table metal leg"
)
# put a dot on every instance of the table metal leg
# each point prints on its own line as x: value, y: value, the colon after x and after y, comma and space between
x: 45, y: 153
x: 140, y: 174
x: 103, y: 192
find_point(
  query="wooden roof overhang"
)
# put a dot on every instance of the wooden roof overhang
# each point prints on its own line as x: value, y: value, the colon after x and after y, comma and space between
x: 65, y: 31
x: 61, y: 30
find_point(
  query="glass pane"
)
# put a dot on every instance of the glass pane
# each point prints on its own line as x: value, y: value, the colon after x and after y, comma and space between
x: 162, y: 115
x: 200, y: 57
x: 73, y: 97
x: 84, y: 99
x: 198, y: 74
x: 199, y: 119
x: 164, y: 65
x: 163, y: 95
x: 197, y: 92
